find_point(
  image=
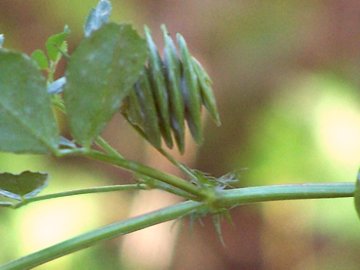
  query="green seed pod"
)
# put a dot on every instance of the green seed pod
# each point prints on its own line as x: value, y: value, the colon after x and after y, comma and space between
x: 191, y: 92
x: 158, y: 88
x: 208, y: 98
x: 173, y: 75
x: 169, y: 92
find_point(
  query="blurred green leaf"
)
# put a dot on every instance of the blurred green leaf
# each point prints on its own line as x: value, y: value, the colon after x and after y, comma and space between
x: 24, y: 185
x: 98, y: 16
x: 27, y: 122
x: 56, y: 45
x: 101, y: 72
x: 40, y: 58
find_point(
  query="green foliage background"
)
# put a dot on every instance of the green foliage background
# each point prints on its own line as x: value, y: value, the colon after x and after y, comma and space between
x: 286, y: 77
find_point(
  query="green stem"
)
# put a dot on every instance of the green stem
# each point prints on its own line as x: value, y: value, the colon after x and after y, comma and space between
x: 176, y: 163
x: 6, y: 204
x: 233, y: 197
x: 81, y: 191
x: 108, y: 232
x: 196, y: 194
x: 107, y: 147
x: 170, y: 158
x: 224, y: 198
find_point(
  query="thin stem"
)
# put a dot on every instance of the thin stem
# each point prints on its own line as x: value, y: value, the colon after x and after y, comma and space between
x: 81, y: 191
x: 172, y: 160
x: 224, y: 198
x: 108, y: 232
x: 107, y: 147
x: 133, y: 166
x: 6, y: 204
x: 178, y: 164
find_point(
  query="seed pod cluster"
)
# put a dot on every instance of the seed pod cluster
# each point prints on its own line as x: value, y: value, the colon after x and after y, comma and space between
x: 170, y: 91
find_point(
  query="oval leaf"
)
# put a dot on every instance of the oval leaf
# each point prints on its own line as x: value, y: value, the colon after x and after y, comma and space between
x: 24, y: 185
x: 101, y: 72
x: 40, y: 58
x: 27, y: 123
x: 56, y: 45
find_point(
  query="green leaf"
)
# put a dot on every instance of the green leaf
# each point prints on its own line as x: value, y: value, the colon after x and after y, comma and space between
x: 27, y: 123
x: 357, y: 195
x: 98, y: 16
x: 101, y: 72
x: 40, y: 58
x: 56, y: 45
x: 24, y: 185
x: 148, y: 109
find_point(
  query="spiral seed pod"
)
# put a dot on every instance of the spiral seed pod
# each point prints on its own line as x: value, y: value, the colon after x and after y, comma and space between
x: 170, y: 92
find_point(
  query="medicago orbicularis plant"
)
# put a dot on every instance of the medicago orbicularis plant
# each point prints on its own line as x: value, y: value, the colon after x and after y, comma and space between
x: 113, y: 70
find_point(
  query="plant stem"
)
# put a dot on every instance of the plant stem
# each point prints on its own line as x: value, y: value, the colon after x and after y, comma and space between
x: 172, y: 160
x: 224, y: 198
x: 6, y: 204
x: 176, y: 163
x: 81, y: 191
x: 233, y: 197
x: 194, y: 192
x: 107, y: 147
x: 108, y: 232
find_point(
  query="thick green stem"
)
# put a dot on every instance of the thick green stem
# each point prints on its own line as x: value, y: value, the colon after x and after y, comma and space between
x: 194, y: 192
x: 223, y: 198
x: 108, y: 232
x: 233, y: 197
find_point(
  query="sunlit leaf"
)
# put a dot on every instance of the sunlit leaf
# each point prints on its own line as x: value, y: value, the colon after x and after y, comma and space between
x: 56, y: 45
x: 27, y: 123
x: 40, y: 58
x: 24, y: 185
x: 101, y: 72
x: 98, y: 16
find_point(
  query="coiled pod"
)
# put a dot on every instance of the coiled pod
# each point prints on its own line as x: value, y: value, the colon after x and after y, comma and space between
x: 170, y: 91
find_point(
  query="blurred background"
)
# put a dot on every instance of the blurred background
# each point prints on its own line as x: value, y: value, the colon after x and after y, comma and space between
x: 286, y: 77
